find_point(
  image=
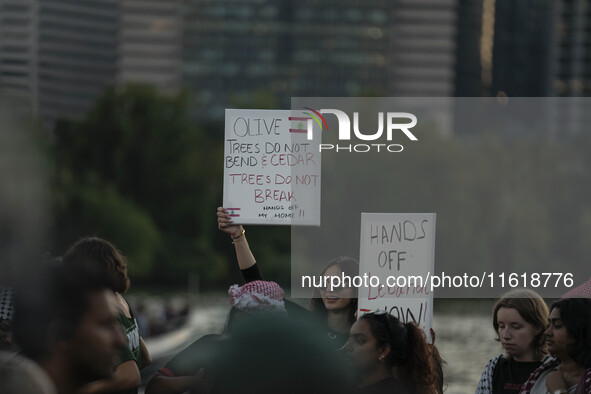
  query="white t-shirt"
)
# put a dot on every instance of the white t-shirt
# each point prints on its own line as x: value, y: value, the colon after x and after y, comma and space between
x: 540, y: 385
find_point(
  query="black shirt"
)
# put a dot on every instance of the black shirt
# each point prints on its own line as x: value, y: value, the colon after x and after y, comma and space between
x: 510, y: 375
x: 252, y: 273
x: 337, y: 339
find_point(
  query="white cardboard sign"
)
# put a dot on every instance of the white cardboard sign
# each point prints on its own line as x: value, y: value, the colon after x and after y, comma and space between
x: 397, y: 247
x: 271, y: 170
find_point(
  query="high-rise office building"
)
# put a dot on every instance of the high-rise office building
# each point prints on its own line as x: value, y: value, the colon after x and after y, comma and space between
x: 570, y: 65
x: 523, y: 36
x: 77, y: 54
x: 232, y: 49
x: 317, y: 48
x: 283, y: 48
x: 150, y: 43
x: 422, y: 48
x: 541, y: 48
x: 538, y: 47
x: 18, y: 55
x: 474, y: 43
x: 62, y: 54
x: 571, y: 51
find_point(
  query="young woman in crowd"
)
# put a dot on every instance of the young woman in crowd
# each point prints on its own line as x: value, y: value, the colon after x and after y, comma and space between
x: 569, y: 340
x: 96, y: 255
x: 390, y: 356
x: 519, y: 320
x: 335, y: 307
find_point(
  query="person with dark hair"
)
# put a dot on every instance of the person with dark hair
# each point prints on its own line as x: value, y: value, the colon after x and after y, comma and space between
x: 97, y: 256
x: 333, y: 308
x: 336, y: 307
x: 251, y: 301
x: 569, y: 340
x: 391, y: 356
x: 66, y: 325
x: 519, y: 319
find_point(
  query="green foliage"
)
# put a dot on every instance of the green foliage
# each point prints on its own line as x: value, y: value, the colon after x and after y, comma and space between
x: 103, y: 212
x: 137, y: 172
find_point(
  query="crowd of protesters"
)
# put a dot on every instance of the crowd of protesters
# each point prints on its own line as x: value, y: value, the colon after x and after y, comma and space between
x: 68, y: 329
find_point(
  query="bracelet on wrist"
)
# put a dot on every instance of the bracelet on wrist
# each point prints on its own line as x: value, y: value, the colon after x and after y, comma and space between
x: 240, y: 236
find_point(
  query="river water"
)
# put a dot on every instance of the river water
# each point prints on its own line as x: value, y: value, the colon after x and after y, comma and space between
x: 464, y: 337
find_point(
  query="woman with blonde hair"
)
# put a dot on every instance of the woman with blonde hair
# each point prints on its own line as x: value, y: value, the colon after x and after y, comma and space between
x: 520, y: 318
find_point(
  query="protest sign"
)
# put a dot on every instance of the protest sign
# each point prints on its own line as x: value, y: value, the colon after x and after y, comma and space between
x: 271, y: 168
x: 398, y: 249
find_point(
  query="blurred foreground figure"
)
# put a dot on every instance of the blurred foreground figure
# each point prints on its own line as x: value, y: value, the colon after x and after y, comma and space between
x: 269, y: 355
x: 64, y: 323
x: 185, y: 370
x: 263, y: 349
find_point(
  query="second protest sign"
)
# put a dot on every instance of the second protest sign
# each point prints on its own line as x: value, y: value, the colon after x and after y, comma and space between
x: 398, y: 248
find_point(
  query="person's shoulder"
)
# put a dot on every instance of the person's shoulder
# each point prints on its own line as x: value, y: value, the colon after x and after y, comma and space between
x: 494, y: 363
x: 495, y: 360
x: 122, y: 306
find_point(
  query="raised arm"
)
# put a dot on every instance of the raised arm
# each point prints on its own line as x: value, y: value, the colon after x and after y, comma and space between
x: 237, y: 233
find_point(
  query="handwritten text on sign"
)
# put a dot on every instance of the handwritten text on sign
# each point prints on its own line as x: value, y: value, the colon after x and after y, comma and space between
x: 271, y: 170
x: 399, y: 249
